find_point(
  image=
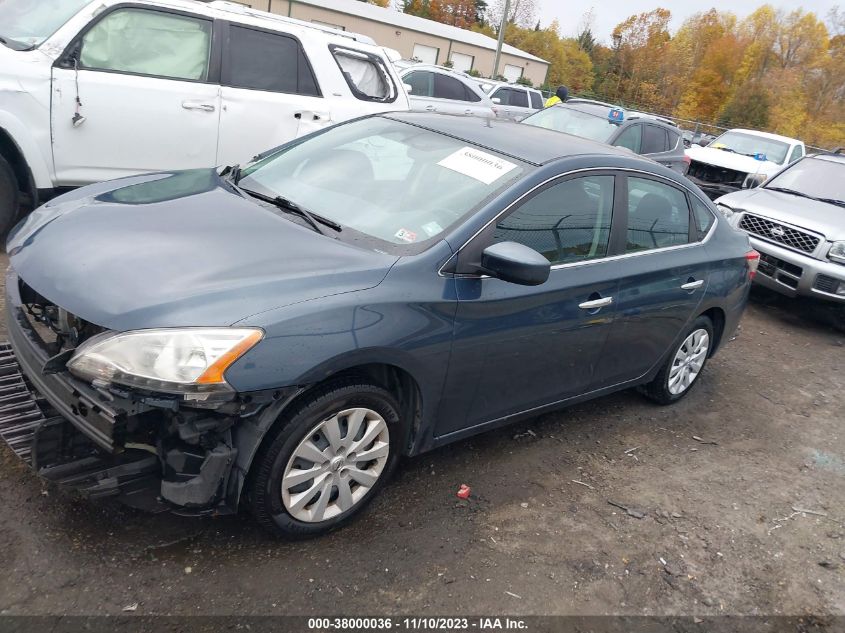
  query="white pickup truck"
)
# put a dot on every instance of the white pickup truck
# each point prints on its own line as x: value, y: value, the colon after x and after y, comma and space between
x: 740, y: 159
x: 94, y: 90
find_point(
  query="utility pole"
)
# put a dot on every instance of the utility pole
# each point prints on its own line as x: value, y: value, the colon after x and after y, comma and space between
x: 501, y: 37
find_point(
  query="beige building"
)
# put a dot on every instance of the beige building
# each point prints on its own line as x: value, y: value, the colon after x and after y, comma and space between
x: 415, y: 38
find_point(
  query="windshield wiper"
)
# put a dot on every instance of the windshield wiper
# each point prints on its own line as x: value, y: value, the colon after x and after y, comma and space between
x: 793, y: 192
x: 288, y: 205
x: 839, y: 203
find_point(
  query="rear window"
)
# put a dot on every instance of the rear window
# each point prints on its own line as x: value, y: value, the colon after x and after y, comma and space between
x: 366, y: 75
x: 258, y: 60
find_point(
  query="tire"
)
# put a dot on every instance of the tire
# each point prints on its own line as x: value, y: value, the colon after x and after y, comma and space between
x: 278, y: 506
x: 665, y: 388
x: 9, y: 198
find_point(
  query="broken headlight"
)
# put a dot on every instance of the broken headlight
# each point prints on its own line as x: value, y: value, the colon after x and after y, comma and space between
x: 179, y: 361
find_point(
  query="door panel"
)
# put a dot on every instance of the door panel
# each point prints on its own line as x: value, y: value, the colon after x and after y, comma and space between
x: 141, y: 82
x: 269, y: 95
x: 519, y: 347
x: 663, y: 255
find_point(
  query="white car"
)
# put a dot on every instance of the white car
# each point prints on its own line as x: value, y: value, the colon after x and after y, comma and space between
x: 91, y: 91
x: 515, y: 101
x: 740, y: 159
x: 438, y: 89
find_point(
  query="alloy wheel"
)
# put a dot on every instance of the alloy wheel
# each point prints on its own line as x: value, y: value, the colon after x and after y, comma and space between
x: 688, y: 361
x: 335, y: 465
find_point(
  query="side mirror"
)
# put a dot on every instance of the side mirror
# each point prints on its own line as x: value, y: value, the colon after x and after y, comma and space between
x: 515, y: 263
x: 496, y: 100
x: 408, y: 88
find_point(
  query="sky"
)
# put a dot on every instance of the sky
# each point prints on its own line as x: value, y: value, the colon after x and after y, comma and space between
x: 608, y: 13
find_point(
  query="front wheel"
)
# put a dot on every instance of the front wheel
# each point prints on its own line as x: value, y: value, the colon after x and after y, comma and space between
x: 329, y: 458
x: 684, y: 365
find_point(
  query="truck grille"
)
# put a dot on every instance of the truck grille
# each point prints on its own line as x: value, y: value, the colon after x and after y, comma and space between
x: 718, y: 175
x: 780, y: 233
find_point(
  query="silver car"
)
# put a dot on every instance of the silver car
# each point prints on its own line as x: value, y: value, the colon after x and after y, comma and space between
x: 515, y: 101
x: 438, y: 89
x: 796, y: 221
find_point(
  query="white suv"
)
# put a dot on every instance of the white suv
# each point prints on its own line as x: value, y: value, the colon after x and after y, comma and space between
x: 96, y: 90
x: 515, y: 101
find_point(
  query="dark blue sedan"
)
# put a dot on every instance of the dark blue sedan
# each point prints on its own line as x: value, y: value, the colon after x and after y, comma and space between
x: 283, y: 333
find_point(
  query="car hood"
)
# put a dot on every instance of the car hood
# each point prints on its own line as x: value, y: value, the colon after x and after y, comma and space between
x: 180, y: 249
x: 819, y: 217
x: 730, y: 160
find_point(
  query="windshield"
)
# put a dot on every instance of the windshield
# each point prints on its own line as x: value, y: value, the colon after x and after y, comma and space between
x: 389, y: 180
x: 813, y: 177
x: 750, y: 144
x: 571, y: 121
x: 26, y: 24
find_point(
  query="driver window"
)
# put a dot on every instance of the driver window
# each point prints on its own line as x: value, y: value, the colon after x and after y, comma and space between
x: 567, y: 222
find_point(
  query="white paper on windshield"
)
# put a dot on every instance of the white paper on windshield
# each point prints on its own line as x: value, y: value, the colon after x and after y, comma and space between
x: 474, y: 163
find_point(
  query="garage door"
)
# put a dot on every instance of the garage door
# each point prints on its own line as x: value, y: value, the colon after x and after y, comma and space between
x: 462, y: 62
x: 512, y: 73
x: 426, y: 54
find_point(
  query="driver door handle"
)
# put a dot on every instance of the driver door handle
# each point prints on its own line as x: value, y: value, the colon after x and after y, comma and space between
x: 693, y: 285
x: 596, y: 303
x: 197, y: 105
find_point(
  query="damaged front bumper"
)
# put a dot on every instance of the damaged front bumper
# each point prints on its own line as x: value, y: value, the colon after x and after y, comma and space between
x: 152, y: 453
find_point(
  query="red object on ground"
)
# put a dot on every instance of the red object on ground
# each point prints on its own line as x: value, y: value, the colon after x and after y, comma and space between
x: 463, y: 492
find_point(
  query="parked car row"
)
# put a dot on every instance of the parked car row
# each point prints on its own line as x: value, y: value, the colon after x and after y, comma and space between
x: 99, y: 90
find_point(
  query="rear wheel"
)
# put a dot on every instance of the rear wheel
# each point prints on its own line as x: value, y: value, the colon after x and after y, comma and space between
x: 334, y: 453
x: 9, y: 197
x: 684, y: 365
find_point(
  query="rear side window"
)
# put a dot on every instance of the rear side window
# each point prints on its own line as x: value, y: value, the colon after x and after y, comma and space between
x: 703, y: 217
x: 446, y: 87
x: 144, y: 42
x: 258, y: 60
x: 536, y: 100
x: 422, y: 84
x: 658, y: 216
x: 471, y: 95
x: 631, y: 138
x: 654, y: 140
x: 566, y: 222
x: 366, y: 75
x: 674, y: 137
x: 519, y: 98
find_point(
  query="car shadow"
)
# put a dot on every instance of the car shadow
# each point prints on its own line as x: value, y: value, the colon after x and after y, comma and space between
x: 800, y: 312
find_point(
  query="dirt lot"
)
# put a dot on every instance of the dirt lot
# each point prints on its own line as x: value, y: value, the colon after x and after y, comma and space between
x: 711, y: 485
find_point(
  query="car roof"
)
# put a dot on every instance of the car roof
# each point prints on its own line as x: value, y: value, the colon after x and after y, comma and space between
x: 527, y: 143
x: 830, y: 157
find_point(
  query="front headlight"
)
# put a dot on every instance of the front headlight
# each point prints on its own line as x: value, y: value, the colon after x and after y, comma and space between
x: 837, y: 252
x: 185, y: 360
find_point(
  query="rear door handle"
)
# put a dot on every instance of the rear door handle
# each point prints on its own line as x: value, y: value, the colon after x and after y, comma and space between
x: 430, y: 108
x: 596, y: 303
x: 196, y: 105
x: 693, y: 285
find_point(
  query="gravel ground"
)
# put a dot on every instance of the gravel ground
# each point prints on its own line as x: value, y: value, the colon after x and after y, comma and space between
x: 714, y: 487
